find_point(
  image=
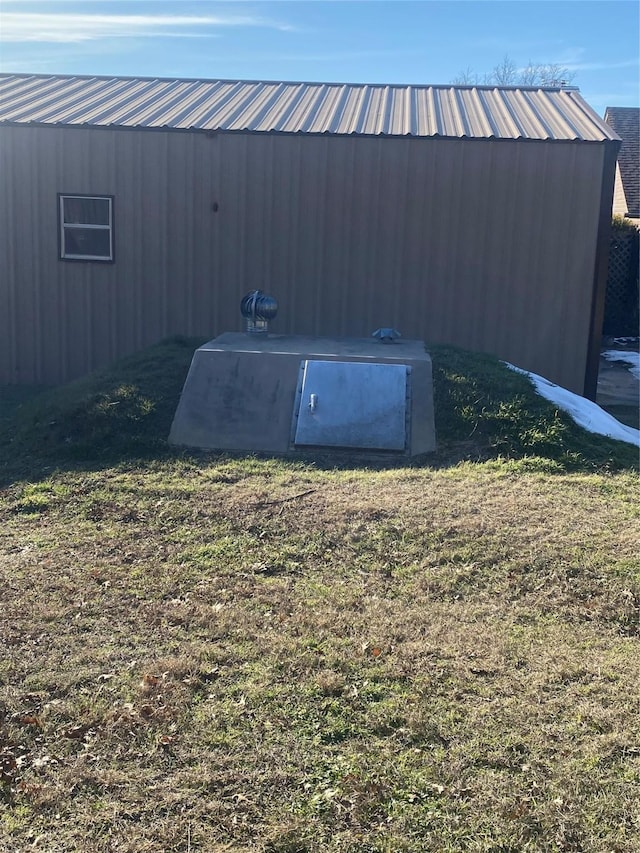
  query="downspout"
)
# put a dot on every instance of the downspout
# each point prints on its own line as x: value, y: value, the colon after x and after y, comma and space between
x: 601, y: 268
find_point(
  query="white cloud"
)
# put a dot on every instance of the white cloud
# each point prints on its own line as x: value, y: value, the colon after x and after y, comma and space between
x: 47, y: 65
x: 602, y: 66
x: 337, y: 56
x: 568, y: 56
x: 574, y: 59
x: 69, y: 27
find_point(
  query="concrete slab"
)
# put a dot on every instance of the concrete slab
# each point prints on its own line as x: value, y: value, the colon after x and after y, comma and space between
x: 617, y: 386
x: 619, y: 382
x: 240, y: 391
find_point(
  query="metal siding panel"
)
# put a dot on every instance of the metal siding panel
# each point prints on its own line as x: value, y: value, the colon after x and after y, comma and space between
x: 351, y: 167
x: 487, y: 245
x: 177, y: 166
x: 10, y: 220
x: 389, y: 222
x: 28, y: 329
x: 316, y: 273
x: 78, y: 172
x: 361, y: 231
x: 422, y: 214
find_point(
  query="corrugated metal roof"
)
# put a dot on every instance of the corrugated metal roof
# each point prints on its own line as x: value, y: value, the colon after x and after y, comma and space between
x: 479, y: 112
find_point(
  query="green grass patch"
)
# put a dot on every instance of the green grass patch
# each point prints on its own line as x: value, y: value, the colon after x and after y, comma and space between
x: 483, y: 411
x: 120, y: 413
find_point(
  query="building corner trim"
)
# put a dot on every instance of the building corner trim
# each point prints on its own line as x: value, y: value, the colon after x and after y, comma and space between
x: 601, y: 267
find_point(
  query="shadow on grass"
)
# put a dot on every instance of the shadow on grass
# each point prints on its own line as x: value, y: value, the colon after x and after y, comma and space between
x: 123, y: 415
x: 119, y: 415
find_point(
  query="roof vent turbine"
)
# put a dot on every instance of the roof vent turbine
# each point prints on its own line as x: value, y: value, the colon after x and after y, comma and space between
x: 258, y: 308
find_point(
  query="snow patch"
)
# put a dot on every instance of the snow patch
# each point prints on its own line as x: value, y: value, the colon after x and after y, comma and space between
x: 586, y: 414
x: 630, y: 358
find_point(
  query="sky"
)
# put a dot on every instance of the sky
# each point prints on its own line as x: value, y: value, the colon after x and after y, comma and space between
x: 370, y: 41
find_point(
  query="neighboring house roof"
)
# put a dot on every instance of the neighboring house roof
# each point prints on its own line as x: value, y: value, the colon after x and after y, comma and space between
x: 479, y: 112
x: 626, y: 123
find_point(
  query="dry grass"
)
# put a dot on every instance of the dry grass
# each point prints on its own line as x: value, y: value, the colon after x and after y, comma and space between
x: 213, y: 654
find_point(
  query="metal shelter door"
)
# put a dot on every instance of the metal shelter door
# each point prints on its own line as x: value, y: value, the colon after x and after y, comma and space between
x: 353, y: 404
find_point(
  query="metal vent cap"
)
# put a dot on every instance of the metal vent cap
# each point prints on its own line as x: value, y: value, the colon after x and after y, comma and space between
x: 258, y: 308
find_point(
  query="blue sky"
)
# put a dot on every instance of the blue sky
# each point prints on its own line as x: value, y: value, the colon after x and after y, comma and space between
x: 372, y: 41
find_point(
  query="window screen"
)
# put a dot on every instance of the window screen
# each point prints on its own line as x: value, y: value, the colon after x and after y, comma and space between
x: 86, y: 228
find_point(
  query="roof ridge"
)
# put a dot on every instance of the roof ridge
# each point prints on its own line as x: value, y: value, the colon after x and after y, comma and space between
x: 355, y: 85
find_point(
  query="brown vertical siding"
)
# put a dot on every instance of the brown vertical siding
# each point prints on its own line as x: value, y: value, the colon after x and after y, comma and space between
x: 484, y: 244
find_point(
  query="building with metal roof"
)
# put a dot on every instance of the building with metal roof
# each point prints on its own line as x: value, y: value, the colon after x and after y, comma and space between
x: 135, y: 208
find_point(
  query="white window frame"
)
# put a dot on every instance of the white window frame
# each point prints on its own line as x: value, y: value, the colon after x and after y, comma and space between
x: 64, y: 226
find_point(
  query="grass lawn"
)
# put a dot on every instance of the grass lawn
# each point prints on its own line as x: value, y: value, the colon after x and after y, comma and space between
x: 230, y: 653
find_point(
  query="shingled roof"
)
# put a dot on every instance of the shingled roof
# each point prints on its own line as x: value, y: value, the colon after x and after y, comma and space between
x: 626, y: 123
x: 474, y: 112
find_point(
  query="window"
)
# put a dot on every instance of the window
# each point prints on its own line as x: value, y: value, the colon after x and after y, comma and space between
x: 86, y: 227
